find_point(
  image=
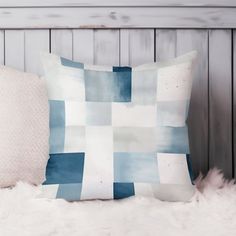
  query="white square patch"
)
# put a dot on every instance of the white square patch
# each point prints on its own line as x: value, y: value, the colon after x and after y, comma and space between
x: 173, y: 168
x: 75, y: 113
x: 174, y: 82
x: 49, y: 191
x: 133, y: 115
x: 98, y: 166
x: 74, y: 139
x: 143, y: 189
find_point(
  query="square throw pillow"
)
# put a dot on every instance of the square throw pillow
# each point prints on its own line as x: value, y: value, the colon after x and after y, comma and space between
x: 24, y: 128
x: 116, y: 132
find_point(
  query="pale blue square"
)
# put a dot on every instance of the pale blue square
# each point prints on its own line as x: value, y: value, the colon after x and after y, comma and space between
x: 144, y: 87
x: 98, y: 86
x: 98, y: 113
x: 172, y: 139
x: 69, y: 63
x: 57, y: 140
x: 57, y: 126
x: 172, y: 113
x: 108, y: 86
x: 69, y: 192
x: 135, y: 167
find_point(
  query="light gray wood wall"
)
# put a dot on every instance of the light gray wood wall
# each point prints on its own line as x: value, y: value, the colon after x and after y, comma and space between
x: 127, y: 3
x: 213, y: 104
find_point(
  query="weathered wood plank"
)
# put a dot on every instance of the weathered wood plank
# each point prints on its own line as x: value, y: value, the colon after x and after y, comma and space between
x: 136, y: 46
x: 83, y: 45
x: 15, y: 49
x: 2, y: 50
x: 220, y: 95
x: 62, y: 43
x: 188, y: 40
x: 90, y: 46
x: 106, y: 47
x: 124, y: 47
x: 234, y: 103
x: 95, y: 3
x: 165, y: 44
x: 118, y: 17
x: 23, y: 47
x: 36, y: 41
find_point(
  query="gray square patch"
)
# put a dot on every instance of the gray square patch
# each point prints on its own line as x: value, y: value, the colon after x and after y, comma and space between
x: 98, y: 113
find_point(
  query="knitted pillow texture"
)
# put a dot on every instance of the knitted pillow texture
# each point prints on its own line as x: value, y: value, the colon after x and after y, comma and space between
x: 24, y: 127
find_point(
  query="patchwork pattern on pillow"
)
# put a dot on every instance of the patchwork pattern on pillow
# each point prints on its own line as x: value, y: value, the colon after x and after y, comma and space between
x: 116, y: 132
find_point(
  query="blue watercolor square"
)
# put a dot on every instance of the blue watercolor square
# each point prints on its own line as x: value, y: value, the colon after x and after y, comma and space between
x: 69, y: 192
x: 69, y: 63
x: 65, y: 168
x: 136, y: 167
x: 98, y: 86
x: 122, y: 84
x: 123, y: 190
x: 57, y: 126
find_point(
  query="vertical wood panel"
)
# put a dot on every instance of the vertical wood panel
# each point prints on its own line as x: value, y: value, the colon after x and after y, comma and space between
x: 106, y: 47
x: 137, y: 46
x: 188, y: 40
x: 220, y: 87
x: 234, y: 102
x: 165, y: 44
x: 36, y: 41
x: 83, y: 45
x: 124, y: 47
x: 23, y: 47
x: 62, y: 43
x: 93, y: 46
x: 15, y: 49
x: 2, y: 50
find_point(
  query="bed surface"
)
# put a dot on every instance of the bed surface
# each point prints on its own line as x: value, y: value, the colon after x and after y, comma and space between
x: 210, y: 213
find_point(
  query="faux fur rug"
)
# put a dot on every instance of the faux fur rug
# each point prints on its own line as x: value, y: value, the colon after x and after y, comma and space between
x: 211, y: 212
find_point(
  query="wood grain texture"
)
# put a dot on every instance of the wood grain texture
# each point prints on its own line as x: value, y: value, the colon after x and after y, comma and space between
x: 165, y: 44
x: 106, y: 47
x: 188, y: 40
x: 83, y: 45
x: 136, y: 46
x: 2, y: 45
x: 15, y: 49
x: 36, y: 41
x: 62, y: 43
x: 95, y: 3
x: 23, y: 47
x: 234, y: 103
x: 220, y: 95
x: 118, y: 17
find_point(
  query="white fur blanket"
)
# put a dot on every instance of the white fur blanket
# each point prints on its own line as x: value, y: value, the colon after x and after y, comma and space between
x: 211, y: 212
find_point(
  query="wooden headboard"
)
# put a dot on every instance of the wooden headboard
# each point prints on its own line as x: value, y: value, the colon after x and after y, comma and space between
x: 133, y: 32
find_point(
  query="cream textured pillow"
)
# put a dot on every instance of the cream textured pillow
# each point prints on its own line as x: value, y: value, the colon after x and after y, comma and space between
x: 24, y: 127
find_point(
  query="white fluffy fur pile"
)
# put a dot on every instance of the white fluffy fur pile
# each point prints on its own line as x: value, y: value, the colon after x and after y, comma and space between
x: 211, y: 212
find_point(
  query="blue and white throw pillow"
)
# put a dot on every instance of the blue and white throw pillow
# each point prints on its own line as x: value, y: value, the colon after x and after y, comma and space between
x: 116, y: 132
